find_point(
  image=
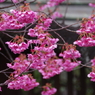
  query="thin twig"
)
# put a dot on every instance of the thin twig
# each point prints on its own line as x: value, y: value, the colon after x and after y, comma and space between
x: 16, y: 4
x: 6, y: 49
x: 8, y: 35
x: 65, y: 12
x: 5, y: 56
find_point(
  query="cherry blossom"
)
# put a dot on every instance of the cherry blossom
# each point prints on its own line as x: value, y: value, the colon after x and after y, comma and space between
x: 52, y: 68
x: 24, y: 17
x: 92, y: 76
x: 85, y: 42
x: 48, y: 90
x: 18, y: 45
x: 68, y: 65
x: 9, y: 22
x: 20, y: 64
x: 52, y: 3
x: 71, y: 53
x: 91, y: 4
x: 26, y: 82
x: 16, y: 1
x: 2, y: 1
x: 56, y: 15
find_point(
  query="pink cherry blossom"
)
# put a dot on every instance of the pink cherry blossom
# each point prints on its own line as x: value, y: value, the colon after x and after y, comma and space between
x: 2, y: 1
x: 17, y: 48
x: 92, y: 76
x: 68, y: 65
x: 52, y: 68
x: 9, y: 22
x: 24, y: 17
x: 25, y: 82
x: 56, y: 15
x: 19, y: 64
x: 71, y: 53
x: 32, y: 33
x: 91, y: 4
x: 93, y: 62
x: 52, y: 3
x: 48, y: 90
x: 16, y: 1
x: 85, y: 42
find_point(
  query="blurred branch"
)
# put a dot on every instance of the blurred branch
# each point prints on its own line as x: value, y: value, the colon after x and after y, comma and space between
x: 21, y: 2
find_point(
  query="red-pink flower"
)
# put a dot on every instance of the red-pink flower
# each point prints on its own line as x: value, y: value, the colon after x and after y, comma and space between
x: 52, y: 3
x: 2, y: 1
x: 56, y: 15
x: 16, y: 1
x: 52, y: 68
x: 71, y: 53
x: 91, y: 4
x: 25, y: 82
x: 92, y: 76
x: 68, y: 65
x: 48, y: 90
x: 24, y: 17
x: 17, y: 48
x: 85, y: 42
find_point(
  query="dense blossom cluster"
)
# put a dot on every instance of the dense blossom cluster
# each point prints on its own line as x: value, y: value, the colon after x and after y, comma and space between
x: 48, y: 90
x: 26, y: 82
x: 56, y: 15
x: 16, y: 1
x: 20, y: 64
x: 92, y: 74
x: 2, y: 1
x: 87, y: 33
x: 9, y: 22
x: 92, y: 4
x: 85, y: 42
x: 24, y: 17
x: 18, y: 45
x: 52, y: 68
x: 52, y: 3
x: 69, y: 55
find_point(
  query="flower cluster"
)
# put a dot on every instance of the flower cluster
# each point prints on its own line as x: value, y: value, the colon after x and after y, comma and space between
x: 20, y: 64
x: 26, y: 82
x: 24, y: 17
x: 44, y: 23
x: 87, y: 33
x: 2, y: 1
x: 18, y: 45
x: 9, y: 22
x: 52, y: 3
x: 85, y: 42
x: 48, y: 90
x: 56, y: 15
x: 52, y: 68
x: 69, y: 65
x: 92, y: 74
x: 16, y: 1
x: 70, y: 55
x: 92, y: 4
